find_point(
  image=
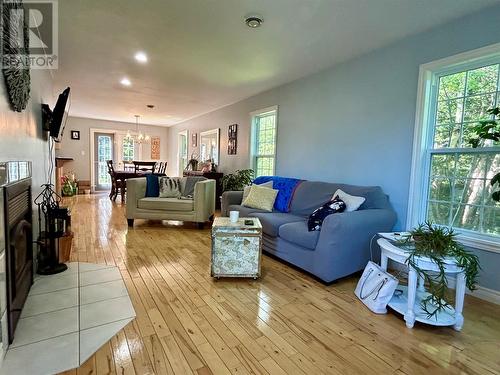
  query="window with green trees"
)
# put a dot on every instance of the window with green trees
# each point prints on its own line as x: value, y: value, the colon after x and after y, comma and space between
x: 459, y: 189
x: 128, y: 149
x: 264, y: 142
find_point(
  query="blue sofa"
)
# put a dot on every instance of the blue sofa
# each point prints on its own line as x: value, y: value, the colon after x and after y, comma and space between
x: 340, y: 248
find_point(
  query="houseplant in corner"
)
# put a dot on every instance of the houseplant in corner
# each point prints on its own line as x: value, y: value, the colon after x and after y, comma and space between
x: 237, y: 180
x: 438, y: 243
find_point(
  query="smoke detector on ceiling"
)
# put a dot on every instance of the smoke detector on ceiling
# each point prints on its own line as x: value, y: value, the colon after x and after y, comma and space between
x: 254, y: 21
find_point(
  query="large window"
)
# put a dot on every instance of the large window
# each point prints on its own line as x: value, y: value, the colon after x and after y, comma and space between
x: 264, y: 141
x: 454, y: 185
x: 127, y: 149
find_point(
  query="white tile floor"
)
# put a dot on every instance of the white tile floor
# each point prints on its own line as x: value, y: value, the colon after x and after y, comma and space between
x: 68, y: 317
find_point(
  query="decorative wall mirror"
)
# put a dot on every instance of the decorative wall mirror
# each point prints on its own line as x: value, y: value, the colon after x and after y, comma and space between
x: 209, y: 146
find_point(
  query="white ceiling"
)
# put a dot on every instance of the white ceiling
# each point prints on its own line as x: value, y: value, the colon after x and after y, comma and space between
x: 202, y: 56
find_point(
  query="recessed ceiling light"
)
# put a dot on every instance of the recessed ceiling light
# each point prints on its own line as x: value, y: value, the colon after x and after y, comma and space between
x: 125, y: 81
x: 254, y: 21
x: 141, y: 57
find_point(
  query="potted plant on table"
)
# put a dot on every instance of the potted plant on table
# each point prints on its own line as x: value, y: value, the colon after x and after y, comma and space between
x: 69, y: 185
x: 238, y: 180
x: 438, y: 243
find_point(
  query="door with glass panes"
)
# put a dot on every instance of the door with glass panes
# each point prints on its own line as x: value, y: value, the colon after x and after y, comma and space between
x: 103, y: 151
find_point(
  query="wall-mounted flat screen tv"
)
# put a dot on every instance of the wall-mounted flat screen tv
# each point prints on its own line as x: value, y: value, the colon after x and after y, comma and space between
x: 58, y: 117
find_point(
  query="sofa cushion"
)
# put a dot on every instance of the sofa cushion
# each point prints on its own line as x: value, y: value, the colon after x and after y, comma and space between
x: 272, y: 221
x: 352, y: 202
x: 309, y: 195
x: 298, y: 234
x: 170, y: 187
x: 261, y: 197
x: 246, y: 189
x: 152, y: 185
x: 244, y: 211
x: 166, y: 204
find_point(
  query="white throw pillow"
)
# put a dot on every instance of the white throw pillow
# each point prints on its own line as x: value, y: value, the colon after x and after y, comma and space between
x: 246, y: 190
x: 352, y: 202
x: 170, y: 187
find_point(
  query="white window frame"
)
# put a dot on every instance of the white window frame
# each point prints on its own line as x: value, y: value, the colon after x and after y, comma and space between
x: 253, y: 138
x: 180, y: 168
x: 423, y: 139
x: 122, y: 150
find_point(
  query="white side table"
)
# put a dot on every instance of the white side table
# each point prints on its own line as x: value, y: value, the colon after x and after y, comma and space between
x: 409, y: 302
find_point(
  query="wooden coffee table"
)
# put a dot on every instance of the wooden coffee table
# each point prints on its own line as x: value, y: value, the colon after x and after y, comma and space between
x: 236, y: 248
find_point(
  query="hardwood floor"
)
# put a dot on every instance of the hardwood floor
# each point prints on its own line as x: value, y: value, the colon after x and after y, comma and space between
x: 284, y: 323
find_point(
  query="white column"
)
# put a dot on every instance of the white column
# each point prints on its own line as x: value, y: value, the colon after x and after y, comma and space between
x: 459, y: 301
x: 412, y: 291
x: 383, y: 259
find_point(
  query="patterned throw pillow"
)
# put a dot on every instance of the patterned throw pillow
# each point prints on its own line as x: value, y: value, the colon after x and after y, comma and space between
x: 170, y: 187
x: 261, y: 198
x: 332, y: 207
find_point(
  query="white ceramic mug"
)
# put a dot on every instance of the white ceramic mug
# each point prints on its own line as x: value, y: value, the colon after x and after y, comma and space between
x: 234, y: 216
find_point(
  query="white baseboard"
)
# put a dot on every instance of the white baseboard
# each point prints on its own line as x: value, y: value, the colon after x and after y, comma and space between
x: 481, y: 292
x: 486, y: 294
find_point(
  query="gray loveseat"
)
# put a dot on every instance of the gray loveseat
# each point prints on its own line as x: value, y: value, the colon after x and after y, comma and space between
x: 340, y: 248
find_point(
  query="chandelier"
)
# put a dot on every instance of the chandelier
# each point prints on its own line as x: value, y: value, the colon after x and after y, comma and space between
x: 138, y: 136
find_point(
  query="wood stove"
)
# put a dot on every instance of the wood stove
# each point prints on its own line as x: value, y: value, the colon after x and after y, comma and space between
x: 18, y: 246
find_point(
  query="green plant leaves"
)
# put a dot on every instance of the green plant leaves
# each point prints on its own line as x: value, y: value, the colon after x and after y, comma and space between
x: 238, y: 180
x: 437, y: 243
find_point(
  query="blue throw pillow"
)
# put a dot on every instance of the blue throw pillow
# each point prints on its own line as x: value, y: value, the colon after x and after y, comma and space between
x: 332, y: 207
x: 152, y: 186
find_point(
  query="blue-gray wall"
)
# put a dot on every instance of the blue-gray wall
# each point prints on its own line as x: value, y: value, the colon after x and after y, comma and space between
x: 354, y: 122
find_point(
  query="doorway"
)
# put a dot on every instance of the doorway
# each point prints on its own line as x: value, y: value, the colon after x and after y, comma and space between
x: 103, y: 151
x: 183, y: 151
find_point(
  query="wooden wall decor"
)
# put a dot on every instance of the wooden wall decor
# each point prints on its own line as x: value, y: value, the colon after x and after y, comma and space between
x: 155, y: 148
x: 232, y: 139
x: 17, y: 77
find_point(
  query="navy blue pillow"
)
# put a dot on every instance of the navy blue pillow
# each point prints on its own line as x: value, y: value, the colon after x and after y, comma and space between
x: 316, y: 218
x: 152, y: 186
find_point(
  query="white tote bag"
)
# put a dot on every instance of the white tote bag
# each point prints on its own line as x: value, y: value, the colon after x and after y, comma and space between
x: 375, y: 288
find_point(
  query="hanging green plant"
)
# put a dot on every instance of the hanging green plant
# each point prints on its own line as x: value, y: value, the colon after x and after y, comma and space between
x: 438, y: 243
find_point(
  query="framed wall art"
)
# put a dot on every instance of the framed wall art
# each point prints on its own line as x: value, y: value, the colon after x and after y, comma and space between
x: 155, y: 148
x: 75, y: 134
x: 232, y: 139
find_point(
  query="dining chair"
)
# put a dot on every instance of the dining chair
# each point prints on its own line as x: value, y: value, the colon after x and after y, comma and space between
x: 117, y: 185
x: 144, y: 166
x: 162, y: 167
x: 128, y: 166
